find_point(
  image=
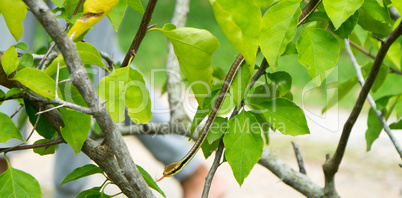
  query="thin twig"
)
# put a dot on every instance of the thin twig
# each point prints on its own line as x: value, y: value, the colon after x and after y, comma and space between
x: 299, y: 159
x: 17, y: 110
x: 45, y: 144
x: 331, y: 166
x: 371, y: 100
x: 142, y: 30
x: 34, y: 127
x: 393, y: 70
x: 213, y: 169
x: 51, y: 109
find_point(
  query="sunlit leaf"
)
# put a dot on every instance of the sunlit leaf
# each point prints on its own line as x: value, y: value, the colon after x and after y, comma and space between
x: 278, y: 29
x: 240, y: 21
x: 14, y: 13
x: 318, y: 52
x: 240, y: 84
x: 117, y: 13
x: 194, y: 49
x: 37, y: 81
x: 374, y: 18
x: 340, y: 10
x: 136, y: 5
x: 9, y: 60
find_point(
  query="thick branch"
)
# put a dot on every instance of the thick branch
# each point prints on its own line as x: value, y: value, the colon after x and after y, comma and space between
x: 177, y: 113
x: 139, y: 36
x: 81, y: 80
x: 331, y: 166
x: 296, y: 180
x: 371, y: 100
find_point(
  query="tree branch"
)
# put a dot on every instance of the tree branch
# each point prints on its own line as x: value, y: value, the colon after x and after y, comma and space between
x: 139, y: 36
x: 371, y: 100
x: 173, y: 80
x: 331, y: 165
x: 81, y: 80
x: 296, y: 180
x: 299, y: 158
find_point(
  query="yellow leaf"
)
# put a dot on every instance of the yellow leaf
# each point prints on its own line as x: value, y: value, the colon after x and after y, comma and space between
x: 94, y: 11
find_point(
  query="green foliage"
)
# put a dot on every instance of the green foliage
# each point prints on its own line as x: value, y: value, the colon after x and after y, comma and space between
x: 278, y: 29
x: 374, y: 18
x: 374, y: 129
x: 214, y: 135
x: 80, y: 172
x: 343, y: 89
x: 150, y: 181
x: 284, y: 115
x: 44, y: 150
x: 43, y: 127
x: 9, y: 60
x: 17, y: 183
x: 339, y: 11
x: 117, y: 13
x: 8, y: 129
x: 37, y: 81
x: 126, y: 87
x: 318, y: 52
x: 14, y: 16
x: 194, y: 49
x: 136, y: 5
x: 243, y: 144
x: 240, y: 83
x: 241, y: 31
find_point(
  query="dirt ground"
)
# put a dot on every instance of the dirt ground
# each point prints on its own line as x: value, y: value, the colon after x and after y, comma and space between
x: 361, y: 174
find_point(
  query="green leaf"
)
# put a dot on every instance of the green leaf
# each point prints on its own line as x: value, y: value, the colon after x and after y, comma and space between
x: 150, y: 181
x: 278, y: 29
x: 282, y: 80
x: 8, y: 129
x: 26, y: 60
x: 374, y: 129
x: 13, y: 91
x: 76, y: 128
x: 396, y: 125
x: 93, y: 193
x: 240, y: 84
x: 397, y: 4
x: 343, y: 89
x: 265, y: 126
x: 14, y: 13
x: 243, y: 144
x: 240, y: 21
x: 17, y: 183
x: 208, y: 149
x: 339, y: 11
x: 264, y: 3
x: 398, y: 108
x: 374, y: 18
x: 263, y: 93
x: 89, y: 54
x: 9, y: 60
x: 290, y: 49
x: 136, y: 5
x: 126, y: 86
x: 381, y: 76
x: 80, y: 172
x: 58, y: 3
x: 117, y: 13
x: 70, y: 7
x: 194, y: 49
x: 347, y: 27
x: 318, y: 52
x: 284, y: 115
x: 394, y: 54
x: 2, y: 95
x: 22, y: 46
x: 37, y: 81
x: 44, y: 128
x: 44, y: 150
